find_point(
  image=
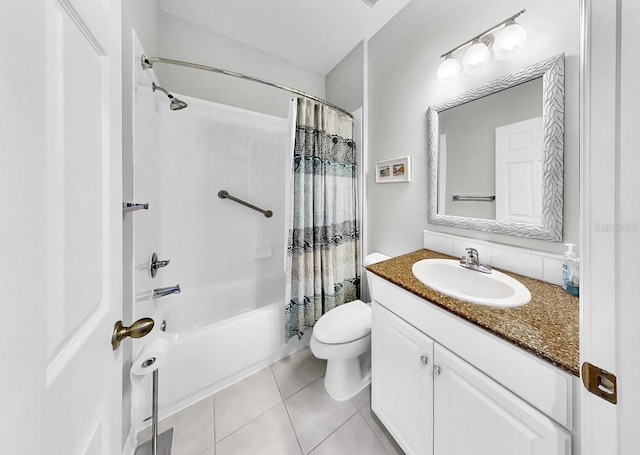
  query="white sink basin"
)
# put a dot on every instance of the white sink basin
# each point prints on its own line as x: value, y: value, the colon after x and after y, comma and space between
x: 448, y: 277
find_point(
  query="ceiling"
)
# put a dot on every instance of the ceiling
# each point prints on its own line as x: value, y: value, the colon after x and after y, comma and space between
x: 314, y: 34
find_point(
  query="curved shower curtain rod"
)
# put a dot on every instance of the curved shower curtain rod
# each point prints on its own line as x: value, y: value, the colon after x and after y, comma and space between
x: 147, y: 62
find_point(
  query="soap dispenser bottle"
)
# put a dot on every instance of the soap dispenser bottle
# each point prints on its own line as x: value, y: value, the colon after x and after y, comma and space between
x: 571, y: 271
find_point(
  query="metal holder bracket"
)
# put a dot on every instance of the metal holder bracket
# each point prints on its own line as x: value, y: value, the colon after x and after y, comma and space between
x: 159, y: 444
x: 145, y: 62
x: 133, y: 206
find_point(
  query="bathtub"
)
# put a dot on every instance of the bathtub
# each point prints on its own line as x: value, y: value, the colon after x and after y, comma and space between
x: 217, y: 337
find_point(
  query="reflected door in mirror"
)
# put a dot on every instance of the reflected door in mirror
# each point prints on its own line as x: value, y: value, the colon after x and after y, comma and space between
x: 519, y: 172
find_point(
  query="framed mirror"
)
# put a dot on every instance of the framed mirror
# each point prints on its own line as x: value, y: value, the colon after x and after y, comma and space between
x: 495, y: 155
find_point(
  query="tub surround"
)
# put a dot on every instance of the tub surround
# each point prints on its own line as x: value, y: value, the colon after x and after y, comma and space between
x: 547, y: 326
x: 203, y: 149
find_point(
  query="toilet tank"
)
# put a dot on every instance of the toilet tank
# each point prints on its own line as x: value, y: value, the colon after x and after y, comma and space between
x: 372, y: 258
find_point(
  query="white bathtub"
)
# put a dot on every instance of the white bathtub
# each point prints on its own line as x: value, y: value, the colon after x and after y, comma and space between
x: 217, y: 337
x: 191, y: 311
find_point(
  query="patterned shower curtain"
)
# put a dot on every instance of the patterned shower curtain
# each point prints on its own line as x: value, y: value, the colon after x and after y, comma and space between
x: 322, y: 255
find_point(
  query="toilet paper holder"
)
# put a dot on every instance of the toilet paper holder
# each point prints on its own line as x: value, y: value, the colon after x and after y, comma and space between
x: 148, y: 362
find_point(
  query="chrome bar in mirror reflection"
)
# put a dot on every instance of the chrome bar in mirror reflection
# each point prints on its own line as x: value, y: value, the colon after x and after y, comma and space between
x: 457, y: 197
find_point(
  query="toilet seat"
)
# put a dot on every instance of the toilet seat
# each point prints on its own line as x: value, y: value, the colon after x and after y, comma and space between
x: 344, y: 324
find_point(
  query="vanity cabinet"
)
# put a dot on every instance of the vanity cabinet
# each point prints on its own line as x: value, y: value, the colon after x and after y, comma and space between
x: 444, y: 387
x: 402, y: 381
x: 473, y: 414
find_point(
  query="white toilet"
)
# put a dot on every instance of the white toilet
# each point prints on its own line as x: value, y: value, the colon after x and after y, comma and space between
x: 342, y: 336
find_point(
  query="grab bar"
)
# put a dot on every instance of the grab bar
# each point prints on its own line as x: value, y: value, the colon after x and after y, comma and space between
x: 457, y: 197
x: 222, y: 194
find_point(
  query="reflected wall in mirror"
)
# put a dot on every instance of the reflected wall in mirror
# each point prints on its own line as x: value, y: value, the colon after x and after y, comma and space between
x: 496, y: 155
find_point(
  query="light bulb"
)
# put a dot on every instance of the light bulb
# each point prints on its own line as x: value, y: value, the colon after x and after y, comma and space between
x: 449, y: 71
x: 509, y: 41
x: 476, y: 58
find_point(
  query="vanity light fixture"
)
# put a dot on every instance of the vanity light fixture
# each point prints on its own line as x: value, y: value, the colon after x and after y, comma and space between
x: 506, y: 44
x: 476, y: 58
x: 449, y: 70
x: 509, y: 41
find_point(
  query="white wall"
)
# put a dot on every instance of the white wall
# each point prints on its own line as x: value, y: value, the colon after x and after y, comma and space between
x: 345, y: 83
x: 25, y: 241
x: 207, y: 148
x: 181, y: 40
x: 403, y: 61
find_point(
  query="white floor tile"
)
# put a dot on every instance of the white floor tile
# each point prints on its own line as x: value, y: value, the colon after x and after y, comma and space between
x: 192, y: 428
x: 387, y: 441
x: 297, y: 371
x: 269, y: 434
x: 315, y: 415
x: 243, y: 401
x: 354, y: 437
x: 363, y: 397
x: 249, y: 417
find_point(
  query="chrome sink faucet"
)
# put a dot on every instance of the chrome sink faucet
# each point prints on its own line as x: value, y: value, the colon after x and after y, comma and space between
x: 472, y: 261
x: 161, y: 292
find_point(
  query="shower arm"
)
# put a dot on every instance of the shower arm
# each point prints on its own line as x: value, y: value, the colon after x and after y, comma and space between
x: 165, y: 91
x: 147, y: 63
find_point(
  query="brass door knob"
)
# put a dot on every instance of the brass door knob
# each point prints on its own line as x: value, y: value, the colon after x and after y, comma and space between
x: 136, y: 330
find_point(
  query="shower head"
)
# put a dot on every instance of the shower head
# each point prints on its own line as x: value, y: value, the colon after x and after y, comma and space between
x: 176, y: 104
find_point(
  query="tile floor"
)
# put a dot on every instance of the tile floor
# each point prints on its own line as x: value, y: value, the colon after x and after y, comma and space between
x: 281, y: 410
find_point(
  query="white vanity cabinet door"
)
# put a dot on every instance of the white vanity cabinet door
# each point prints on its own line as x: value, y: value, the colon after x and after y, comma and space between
x: 402, y: 381
x: 473, y: 414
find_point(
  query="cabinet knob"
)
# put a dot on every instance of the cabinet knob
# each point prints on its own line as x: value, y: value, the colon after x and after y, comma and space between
x: 424, y: 359
x: 436, y: 370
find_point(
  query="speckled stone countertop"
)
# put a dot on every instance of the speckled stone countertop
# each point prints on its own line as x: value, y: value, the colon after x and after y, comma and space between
x: 547, y: 326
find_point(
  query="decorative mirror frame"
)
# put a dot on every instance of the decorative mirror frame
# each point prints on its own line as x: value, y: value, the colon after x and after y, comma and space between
x: 552, y: 72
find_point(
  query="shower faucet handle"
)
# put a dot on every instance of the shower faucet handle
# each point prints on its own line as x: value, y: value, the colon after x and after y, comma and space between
x: 156, y: 264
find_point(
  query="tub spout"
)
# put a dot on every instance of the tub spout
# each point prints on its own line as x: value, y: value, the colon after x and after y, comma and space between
x: 161, y: 292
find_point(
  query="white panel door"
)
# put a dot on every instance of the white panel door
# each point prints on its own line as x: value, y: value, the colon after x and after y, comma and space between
x: 61, y: 185
x: 473, y: 414
x: 519, y: 160
x: 610, y: 222
x: 402, y: 380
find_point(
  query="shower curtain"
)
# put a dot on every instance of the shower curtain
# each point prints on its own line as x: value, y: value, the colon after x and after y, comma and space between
x: 322, y: 255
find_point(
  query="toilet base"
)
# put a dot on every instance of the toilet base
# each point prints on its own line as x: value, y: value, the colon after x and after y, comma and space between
x: 344, y: 378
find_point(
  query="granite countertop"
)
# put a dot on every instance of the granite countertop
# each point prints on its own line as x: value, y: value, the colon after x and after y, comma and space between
x: 547, y: 326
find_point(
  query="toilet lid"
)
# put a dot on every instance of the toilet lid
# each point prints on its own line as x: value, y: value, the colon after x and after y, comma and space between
x: 345, y: 323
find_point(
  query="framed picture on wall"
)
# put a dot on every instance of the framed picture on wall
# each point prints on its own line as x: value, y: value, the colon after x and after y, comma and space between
x: 394, y: 170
